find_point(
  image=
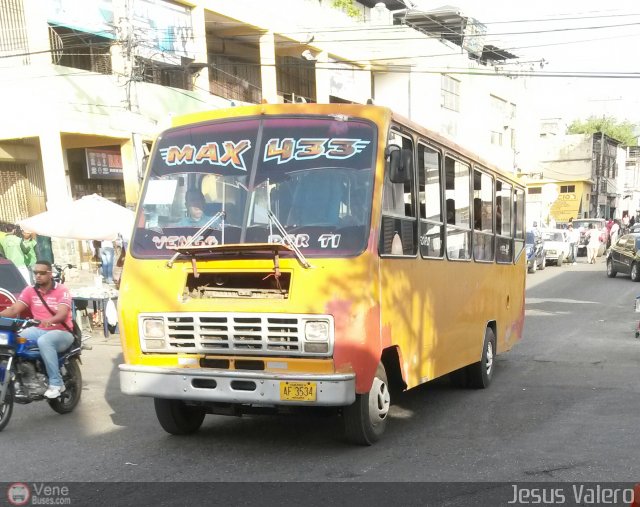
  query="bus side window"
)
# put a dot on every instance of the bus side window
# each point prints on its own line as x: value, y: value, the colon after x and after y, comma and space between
x: 399, y: 222
x: 430, y: 202
x: 504, y: 229
x: 483, y: 238
x: 518, y: 217
x: 457, y: 187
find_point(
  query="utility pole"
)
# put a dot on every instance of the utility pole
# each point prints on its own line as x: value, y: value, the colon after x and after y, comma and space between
x: 599, y: 173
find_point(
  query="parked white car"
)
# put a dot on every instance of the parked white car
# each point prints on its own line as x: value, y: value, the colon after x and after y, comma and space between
x: 557, y: 248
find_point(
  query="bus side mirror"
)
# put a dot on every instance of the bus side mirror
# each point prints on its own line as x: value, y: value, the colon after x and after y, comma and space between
x: 143, y: 166
x: 399, y: 164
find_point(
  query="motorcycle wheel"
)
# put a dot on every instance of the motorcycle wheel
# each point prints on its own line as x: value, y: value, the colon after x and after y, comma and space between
x: 6, y: 409
x: 73, y: 389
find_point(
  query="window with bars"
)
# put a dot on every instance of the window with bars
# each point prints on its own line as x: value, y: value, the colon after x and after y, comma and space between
x: 235, y: 79
x: 150, y: 71
x: 80, y: 50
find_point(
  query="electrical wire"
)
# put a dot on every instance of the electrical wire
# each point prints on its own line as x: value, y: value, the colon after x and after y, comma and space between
x: 329, y: 66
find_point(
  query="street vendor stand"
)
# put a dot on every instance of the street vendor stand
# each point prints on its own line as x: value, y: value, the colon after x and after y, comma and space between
x: 84, y: 297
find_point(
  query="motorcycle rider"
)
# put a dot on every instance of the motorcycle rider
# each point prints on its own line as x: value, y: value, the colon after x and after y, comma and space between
x: 51, y: 334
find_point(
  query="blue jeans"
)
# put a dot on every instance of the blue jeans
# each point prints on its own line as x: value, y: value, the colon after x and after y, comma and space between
x: 49, y: 344
x: 106, y: 255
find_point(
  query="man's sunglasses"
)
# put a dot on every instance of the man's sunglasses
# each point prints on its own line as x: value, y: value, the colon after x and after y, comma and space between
x: 42, y: 273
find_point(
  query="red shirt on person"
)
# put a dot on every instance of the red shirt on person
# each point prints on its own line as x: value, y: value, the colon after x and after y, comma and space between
x: 58, y: 295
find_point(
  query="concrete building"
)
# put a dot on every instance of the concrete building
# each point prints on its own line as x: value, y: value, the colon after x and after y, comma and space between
x: 579, y: 178
x: 86, y: 86
x: 631, y: 187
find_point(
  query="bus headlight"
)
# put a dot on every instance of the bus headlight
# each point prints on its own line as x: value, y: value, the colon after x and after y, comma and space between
x: 316, y: 331
x: 153, y: 328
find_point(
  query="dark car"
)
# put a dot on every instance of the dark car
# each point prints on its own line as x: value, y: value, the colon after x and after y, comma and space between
x: 624, y: 257
x: 536, y: 258
x: 11, y: 283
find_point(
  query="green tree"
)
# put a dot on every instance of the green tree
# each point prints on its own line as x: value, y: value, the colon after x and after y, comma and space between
x: 348, y: 7
x: 622, y: 131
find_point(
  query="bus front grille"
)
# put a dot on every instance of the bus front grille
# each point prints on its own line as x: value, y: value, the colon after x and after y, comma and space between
x: 231, y: 333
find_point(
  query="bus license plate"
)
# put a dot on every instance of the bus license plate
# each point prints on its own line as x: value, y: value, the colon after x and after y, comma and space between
x: 298, y: 391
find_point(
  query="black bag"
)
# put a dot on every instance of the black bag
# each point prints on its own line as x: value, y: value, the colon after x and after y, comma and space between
x: 76, y: 331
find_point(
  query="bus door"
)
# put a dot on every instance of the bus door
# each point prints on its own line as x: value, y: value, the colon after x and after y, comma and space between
x: 398, y: 247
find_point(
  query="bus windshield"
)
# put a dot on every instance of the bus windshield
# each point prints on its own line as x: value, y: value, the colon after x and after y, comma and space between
x: 314, y: 174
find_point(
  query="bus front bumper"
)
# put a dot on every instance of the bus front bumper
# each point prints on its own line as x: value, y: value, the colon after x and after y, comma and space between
x: 247, y: 387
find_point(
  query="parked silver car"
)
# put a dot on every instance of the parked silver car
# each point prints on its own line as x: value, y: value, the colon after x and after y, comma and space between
x: 557, y: 248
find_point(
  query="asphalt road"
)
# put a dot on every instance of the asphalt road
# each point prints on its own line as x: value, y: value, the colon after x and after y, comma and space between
x: 563, y: 406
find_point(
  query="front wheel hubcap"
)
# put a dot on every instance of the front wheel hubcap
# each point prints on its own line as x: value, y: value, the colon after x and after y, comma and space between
x: 489, y: 362
x: 379, y: 401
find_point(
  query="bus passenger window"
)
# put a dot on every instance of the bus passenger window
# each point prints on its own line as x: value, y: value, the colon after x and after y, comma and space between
x: 518, y: 217
x: 430, y: 198
x: 399, y: 222
x: 483, y: 234
x: 457, y: 187
x: 504, y: 229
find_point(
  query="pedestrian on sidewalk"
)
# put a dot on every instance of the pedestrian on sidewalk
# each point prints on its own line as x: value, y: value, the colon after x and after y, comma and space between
x: 15, y: 249
x: 29, y: 244
x: 593, y: 244
x: 614, y: 233
x: 574, y: 239
x: 107, y: 253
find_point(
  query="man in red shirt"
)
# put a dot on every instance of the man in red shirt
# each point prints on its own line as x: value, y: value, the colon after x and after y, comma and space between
x: 51, y: 334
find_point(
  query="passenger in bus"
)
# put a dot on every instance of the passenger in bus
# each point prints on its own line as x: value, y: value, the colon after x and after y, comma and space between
x: 195, y: 204
x: 451, y: 211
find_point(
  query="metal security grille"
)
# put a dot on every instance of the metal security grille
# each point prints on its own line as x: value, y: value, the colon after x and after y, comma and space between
x: 241, y: 334
x: 13, y: 36
x: 13, y: 193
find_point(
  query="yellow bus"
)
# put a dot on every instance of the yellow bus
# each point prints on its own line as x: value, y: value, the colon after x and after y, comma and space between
x: 315, y: 255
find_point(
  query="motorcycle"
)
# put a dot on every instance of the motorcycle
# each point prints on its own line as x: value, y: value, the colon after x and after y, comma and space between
x: 60, y: 272
x: 23, y: 376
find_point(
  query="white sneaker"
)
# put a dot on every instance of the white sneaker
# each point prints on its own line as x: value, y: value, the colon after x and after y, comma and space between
x: 54, y: 392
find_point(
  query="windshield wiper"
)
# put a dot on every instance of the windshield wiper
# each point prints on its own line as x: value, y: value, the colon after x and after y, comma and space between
x: 285, y: 237
x: 209, y: 223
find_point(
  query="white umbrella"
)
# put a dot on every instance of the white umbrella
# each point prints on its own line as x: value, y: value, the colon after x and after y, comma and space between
x: 90, y: 217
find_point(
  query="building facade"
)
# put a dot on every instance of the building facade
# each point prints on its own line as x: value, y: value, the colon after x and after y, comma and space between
x: 579, y: 178
x: 88, y: 85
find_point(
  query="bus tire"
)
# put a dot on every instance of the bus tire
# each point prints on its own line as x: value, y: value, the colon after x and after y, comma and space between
x: 479, y: 374
x: 177, y: 418
x: 366, y: 419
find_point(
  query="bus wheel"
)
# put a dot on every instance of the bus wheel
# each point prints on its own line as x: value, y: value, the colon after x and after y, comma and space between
x: 366, y: 420
x: 479, y: 374
x: 177, y: 418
